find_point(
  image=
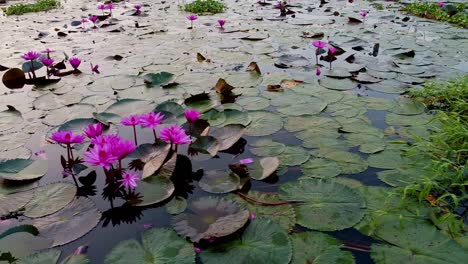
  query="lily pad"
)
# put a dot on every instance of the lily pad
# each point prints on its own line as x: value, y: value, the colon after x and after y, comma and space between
x: 219, y: 181
x: 157, y: 246
x: 153, y: 156
x: 23, y: 169
x: 263, y: 241
x: 413, y: 241
x: 267, y: 147
x: 210, y: 217
x: 321, y: 168
x: 312, y: 107
x: 263, y: 168
x: 176, y: 206
x: 295, y: 124
x: 159, y: 79
x: 72, y: 222
x: 49, y: 199
x: 52, y: 257
x: 350, y: 163
x: 169, y: 109
x: 254, y: 103
x: 228, y: 135
x: 293, y: 156
x: 154, y: 189
x: 264, y: 123
x: 206, y: 145
x: 282, y: 214
x: 387, y: 159
x: 236, y: 117
x: 318, y: 248
x: 14, y: 201
x: 127, y: 107
x: 322, y: 205
x: 406, y: 106
x: 337, y: 84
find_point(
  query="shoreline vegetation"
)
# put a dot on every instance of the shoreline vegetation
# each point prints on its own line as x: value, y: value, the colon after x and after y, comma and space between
x: 456, y: 14
x: 38, y: 6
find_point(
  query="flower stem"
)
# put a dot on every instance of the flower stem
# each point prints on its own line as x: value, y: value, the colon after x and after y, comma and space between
x: 331, y: 63
x: 32, y: 69
x: 135, y: 135
x: 155, y: 137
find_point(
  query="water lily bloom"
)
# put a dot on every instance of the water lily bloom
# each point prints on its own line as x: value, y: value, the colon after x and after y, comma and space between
x: 100, y: 156
x: 101, y: 7
x: 110, y: 140
x: 48, y: 51
x: 133, y: 121
x: 109, y: 7
x: 364, y: 13
x: 197, y: 250
x: 95, y: 68
x: 67, y: 137
x: 175, y: 135
x: 151, y: 120
x: 137, y: 7
x: 318, y: 72
x: 246, y: 161
x: 192, y: 18
x: 93, y: 130
x: 319, y: 45
x: 252, y: 216
x: 30, y: 55
x: 441, y: 4
x: 331, y: 50
x: 221, y: 22
x: 75, y: 63
x: 129, y: 180
x: 47, y: 62
x: 122, y: 148
x: 93, y: 19
x: 191, y: 115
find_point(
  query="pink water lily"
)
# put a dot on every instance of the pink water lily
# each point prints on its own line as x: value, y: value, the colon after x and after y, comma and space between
x: 67, y: 137
x: 75, y: 63
x: 133, y: 121
x: 101, y: 7
x: 137, y: 7
x: 93, y: 19
x: 47, y: 51
x: 221, y: 22
x: 331, y: 54
x: 30, y: 55
x: 151, y: 120
x: 47, y: 62
x: 441, y: 4
x: 93, y: 130
x: 175, y: 135
x: 192, y: 18
x: 318, y: 72
x: 122, y: 148
x: 319, y: 45
x: 252, y: 216
x: 246, y: 161
x: 129, y: 180
x: 364, y: 14
x: 191, y: 115
x: 100, y: 156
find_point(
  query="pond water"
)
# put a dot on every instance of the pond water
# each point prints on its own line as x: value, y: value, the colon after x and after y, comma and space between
x: 337, y: 126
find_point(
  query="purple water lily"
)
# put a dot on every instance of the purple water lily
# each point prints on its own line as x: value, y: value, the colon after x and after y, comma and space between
x: 75, y: 63
x: 319, y: 45
x: 192, y: 18
x: 31, y: 56
x: 221, y: 22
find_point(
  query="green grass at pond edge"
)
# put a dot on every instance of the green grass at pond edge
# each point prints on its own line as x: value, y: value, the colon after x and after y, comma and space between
x: 456, y: 14
x: 443, y: 184
x: 38, y: 6
x: 204, y: 6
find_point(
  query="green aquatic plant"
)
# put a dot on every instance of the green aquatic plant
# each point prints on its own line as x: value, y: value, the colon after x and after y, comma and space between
x: 452, y: 13
x: 38, y: 6
x: 204, y: 6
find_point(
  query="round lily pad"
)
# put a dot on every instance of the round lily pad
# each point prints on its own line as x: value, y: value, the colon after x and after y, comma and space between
x: 236, y: 117
x: 406, y: 120
x: 321, y: 168
x: 254, y: 103
x: 49, y: 199
x: 387, y: 159
x: 127, y: 107
x: 350, y: 163
x: 154, y: 189
x: 219, y: 181
x: 282, y: 214
x: 407, y: 106
x: 294, y: 124
x: 22, y: 169
x: 337, y: 84
x: 206, y: 145
x: 52, y: 257
x: 267, y: 147
x: 228, y: 135
x: 263, y: 241
x: 323, y: 205
x: 72, y: 222
x: 14, y: 201
x: 210, y: 217
x: 293, y: 156
x: 264, y: 123
x: 176, y: 206
x: 318, y: 248
x: 158, y: 246
x: 312, y: 107
x: 263, y: 168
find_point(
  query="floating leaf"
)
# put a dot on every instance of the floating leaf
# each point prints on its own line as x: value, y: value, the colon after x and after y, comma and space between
x: 321, y: 168
x: 22, y: 244
x: 263, y: 168
x: 350, y: 163
x: 313, y: 107
x: 72, y: 222
x: 223, y: 87
x: 253, y: 67
x: 22, y: 169
x: 14, y: 78
x: 254, y: 103
x: 406, y: 106
x: 19, y: 228
x: 322, y: 205
x: 52, y: 257
x: 206, y: 145
x: 264, y: 123
x: 29, y: 67
x: 337, y: 84
x: 14, y: 201
x: 263, y: 241
x: 387, y: 159
x: 228, y: 135
x: 126, y: 107
x: 210, y: 217
x: 76, y: 125
x: 318, y: 248
x: 153, y: 156
x: 158, y: 246
x: 414, y: 241
x: 267, y: 147
x: 176, y: 206
x: 236, y: 117
x: 293, y: 156
x: 49, y: 199
x: 219, y: 181
x: 159, y: 79
x: 169, y: 109
x: 154, y: 189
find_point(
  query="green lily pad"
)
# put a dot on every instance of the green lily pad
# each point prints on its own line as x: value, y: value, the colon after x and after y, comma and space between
x: 158, y: 246
x: 23, y: 169
x: 49, y: 199
x: 414, y: 242
x: 10, y: 118
x: 400, y: 177
x: 263, y: 168
x: 263, y: 241
x: 176, y: 206
x: 322, y: 205
x: 405, y: 120
x: 228, y: 135
x: 254, y: 103
x: 388, y: 86
x: 154, y: 189
x: 337, y: 84
x: 52, y: 257
x: 76, y: 125
x: 321, y: 168
x: 282, y: 214
x: 72, y: 222
x: 368, y: 143
x: 159, y: 79
x: 126, y: 107
x: 293, y: 156
x: 169, y: 109
x: 22, y: 244
x: 350, y: 163
x: 295, y: 124
x: 14, y: 201
x: 264, y: 123
x: 236, y: 117
x: 203, y: 105
x: 210, y: 217
x: 267, y: 147
x: 313, y: 107
x: 387, y: 159
x: 337, y: 73
x: 206, y: 145
x: 147, y: 152
x: 219, y: 181
x: 407, y: 106
x: 318, y: 248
